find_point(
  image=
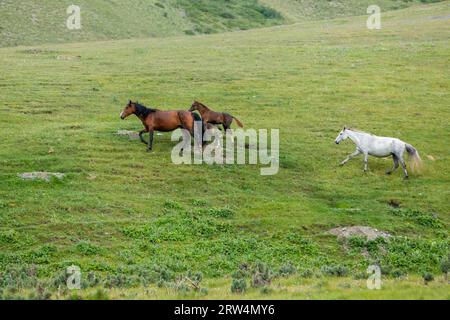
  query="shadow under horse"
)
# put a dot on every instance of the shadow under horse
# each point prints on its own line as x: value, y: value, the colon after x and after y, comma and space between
x: 158, y: 120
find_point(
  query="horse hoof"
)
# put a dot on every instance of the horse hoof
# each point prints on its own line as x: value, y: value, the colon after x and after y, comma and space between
x: 388, y: 173
x: 406, y: 178
x: 149, y: 150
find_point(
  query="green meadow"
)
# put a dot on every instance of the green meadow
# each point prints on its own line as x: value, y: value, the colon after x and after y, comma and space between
x: 139, y: 226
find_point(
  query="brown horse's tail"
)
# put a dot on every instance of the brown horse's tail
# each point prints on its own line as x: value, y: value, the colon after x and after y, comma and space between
x: 238, y: 122
x: 414, y: 158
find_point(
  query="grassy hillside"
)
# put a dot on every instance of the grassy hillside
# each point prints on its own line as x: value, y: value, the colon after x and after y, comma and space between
x: 133, y: 219
x: 30, y: 22
x: 303, y: 10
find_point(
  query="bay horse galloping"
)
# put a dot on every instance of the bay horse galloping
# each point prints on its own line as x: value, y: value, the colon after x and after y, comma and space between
x: 157, y: 120
x: 212, y: 117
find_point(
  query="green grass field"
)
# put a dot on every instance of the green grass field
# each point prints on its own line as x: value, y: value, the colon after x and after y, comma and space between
x: 137, y: 225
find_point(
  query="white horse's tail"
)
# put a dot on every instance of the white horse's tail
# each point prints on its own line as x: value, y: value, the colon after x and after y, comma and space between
x: 415, y: 161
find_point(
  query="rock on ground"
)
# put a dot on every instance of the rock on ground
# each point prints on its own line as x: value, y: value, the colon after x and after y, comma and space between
x: 129, y: 134
x: 46, y: 176
x: 359, y: 231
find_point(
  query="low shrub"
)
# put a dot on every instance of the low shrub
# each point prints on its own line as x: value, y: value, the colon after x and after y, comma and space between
x: 262, y: 275
x: 87, y: 249
x: 169, y: 204
x: 334, y: 270
x: 287, y: 269
x: 238, y: 286
x: 427, y: 277
x: 221, y: 212
x: 445, y: 266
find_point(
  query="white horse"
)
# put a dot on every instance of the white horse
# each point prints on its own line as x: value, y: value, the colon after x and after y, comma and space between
x: 381, y: 147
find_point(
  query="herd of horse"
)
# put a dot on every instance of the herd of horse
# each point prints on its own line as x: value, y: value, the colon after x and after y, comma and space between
x: 165, y: 121
x: 366, y: 143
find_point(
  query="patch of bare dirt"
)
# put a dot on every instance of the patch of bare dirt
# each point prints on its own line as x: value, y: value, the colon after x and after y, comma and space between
x: 129, y: 134
x: 359, y: 231
x: 46, y: 176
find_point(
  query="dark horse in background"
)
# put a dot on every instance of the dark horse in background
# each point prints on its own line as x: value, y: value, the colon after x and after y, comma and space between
x: 157, y: 120
x: 212, y: 117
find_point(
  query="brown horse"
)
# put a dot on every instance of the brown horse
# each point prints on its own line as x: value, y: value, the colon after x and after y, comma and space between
x: 212, y: 117
x: 157, y: 120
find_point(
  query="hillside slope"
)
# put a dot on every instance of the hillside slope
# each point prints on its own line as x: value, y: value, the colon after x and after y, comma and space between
x: 304, y: 10
x: 29, y: 22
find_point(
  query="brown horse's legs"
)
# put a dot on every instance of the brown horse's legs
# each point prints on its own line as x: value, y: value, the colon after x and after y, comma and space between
x: 227, y: 120
x: 150, y: 140
x: 141, y: 137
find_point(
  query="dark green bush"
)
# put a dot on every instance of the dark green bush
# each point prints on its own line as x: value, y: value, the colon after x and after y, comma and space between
x: 424, y: 219
x: 221, y: 212
x: 19, y: 277
x: 445, y: 265
x: 169, y: 204
x: 427, y: 277
x: 269, y: 12
x: 219, y: 15
x: 334, y: 270
x: 87, y: 249
x: 306, y: 273
x: 287, y: 269
x: 238, y: 286
x: 262, y: 275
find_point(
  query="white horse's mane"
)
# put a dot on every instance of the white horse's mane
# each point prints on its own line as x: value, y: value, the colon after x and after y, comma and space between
x: 359, y: 131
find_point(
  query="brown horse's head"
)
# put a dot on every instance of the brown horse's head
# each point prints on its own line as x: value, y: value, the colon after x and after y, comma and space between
x: 196, y: 106
x: 130, y: 108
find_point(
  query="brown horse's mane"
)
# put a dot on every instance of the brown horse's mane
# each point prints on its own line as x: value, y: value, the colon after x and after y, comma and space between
x: 142, y: 110
x: 204, y: 106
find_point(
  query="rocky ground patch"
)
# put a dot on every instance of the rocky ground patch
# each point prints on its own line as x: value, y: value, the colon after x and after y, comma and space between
x: 359, y: 231
x: 46, y: 176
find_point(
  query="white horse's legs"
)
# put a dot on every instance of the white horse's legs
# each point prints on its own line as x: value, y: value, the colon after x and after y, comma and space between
x: 354, y: 154
x: 395, y: 165
x: 402, y: 161
x: 366, y: 160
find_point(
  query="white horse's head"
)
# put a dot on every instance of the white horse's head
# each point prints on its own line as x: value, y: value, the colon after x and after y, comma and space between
x: 342, y: 135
